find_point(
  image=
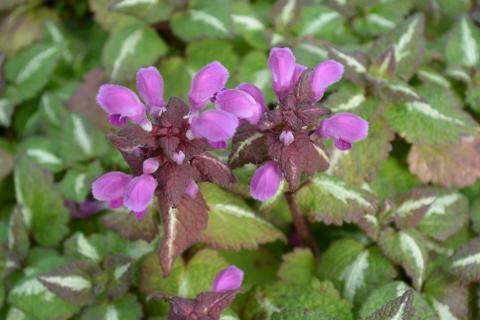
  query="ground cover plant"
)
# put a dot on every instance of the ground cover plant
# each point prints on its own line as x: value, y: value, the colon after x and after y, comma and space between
x: 220, y: 159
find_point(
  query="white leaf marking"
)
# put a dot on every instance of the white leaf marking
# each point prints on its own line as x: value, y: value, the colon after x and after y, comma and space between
x: 443, y: 311
x: 81, y: 135
x: 120, y: 270
x: 410, y: 246
x: 410, y: 205
x: 74, y: 283
x: 208, y: 19
x: 380, y: 21
x: 469, y: 45
x: 404, y: 89
x: 321, y: 53
x: 79, y: 184
x: 287, y: 12
x: 127, y: 48
x: 435, y: 78
x: 249, y: 22
x: 319, y: 22
x: 44, y: 157
x: 48, y: 109
x: 131, y: 3
x: 172, y: 231
x: 86, y: 249
x: 441, y: 203
x: 111, y: 313
x: 426, y: 109
x: 352, y: 103
x: 335, y: 158
x: 340, y: 192
x: 244, y: 144
x: 350, y: 61
x: 35, y: 64
x: 401, y: 50
x: 468, y: 260
x: 27, y: 211
x: 354, y: 275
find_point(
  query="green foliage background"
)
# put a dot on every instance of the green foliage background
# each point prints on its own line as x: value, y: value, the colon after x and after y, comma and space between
x: 397, y: 218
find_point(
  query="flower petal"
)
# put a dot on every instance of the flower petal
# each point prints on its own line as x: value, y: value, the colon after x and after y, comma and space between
x: 266, y: 181
x: 239, y: 103
x: 192, y: 189
x: 214, y: 125
x: 218, y: 144
x: 206, y: 83
x: 111, y: 186
x: 116, y: 99
x: 282, y: 66
x: 178, y: 157
x: 345, y: 126
x: 255, y: 92
x: 139, y: 192
x: 325, y: 74
x: 299, y: 68
x: 150, y: 165
x: 150, y: 87
x: 286, y: 137
x: 230, y: 278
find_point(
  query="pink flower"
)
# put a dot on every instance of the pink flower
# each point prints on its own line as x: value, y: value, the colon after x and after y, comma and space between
x: 192, y: 189
x: 206, y: 83
x: 214, y: 125
x: 230, y: 278
x: 345, y: 128
x: 239, y: 103
x: 111, y: 188
x: 266, y: 181
x: 282, y: 66
x: 139, y: 194
x: 325, y: 74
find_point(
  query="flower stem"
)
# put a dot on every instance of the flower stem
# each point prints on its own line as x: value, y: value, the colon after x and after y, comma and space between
x: 301, y: 224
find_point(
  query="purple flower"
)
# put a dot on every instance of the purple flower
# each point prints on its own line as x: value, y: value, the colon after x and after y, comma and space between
x: 206, y: 83
x: 214, y: 125
x: 239, y: 103
x: 266, y: 181
x: 178, y: 157
x: 325, y: 74
x: 150, y: 87
x: 230, y: 278
x: 111, y: 188
x: 139, y: 194
x: 345, y: 128
x: 255, y: 92
x: 192, y: 189
x: 282, y: 66
x: 299, y: 68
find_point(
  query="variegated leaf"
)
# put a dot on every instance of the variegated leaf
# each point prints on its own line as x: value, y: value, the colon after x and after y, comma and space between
x: 463, y: 44
x: 465, y: 263
x: 298, y: 267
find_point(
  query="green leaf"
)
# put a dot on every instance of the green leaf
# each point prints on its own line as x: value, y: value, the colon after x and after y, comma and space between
x: 120, y: 271
x: 201, y: 53
x: 463, y: 44
x: 317, y: 300
x: 94, y: 247
x: 125, y: 308
x: 204, y: 19
x: 42, y: 205
x: 298, y: 267
x: 465, y: 263
x: 80, y: 140
x: 355, y: 269
x: 249, y: 25
x: 394, y: 290
x: 7, y: 163
x: 286, y: 12
x: 438, y: 119
x: 18, y: 242
x: 399, y: 307
x: 363, y: 161
x: 130, y: 48
x: 31, y: 69
x: 77, y: 182
x: 310, y: 53
x: 177, y: 76
x: 43, y: 151
x: 52, y: 109
x: 407, y: 41
x: 7, y: 105
x: 150, y: 11
x: 110, y: 20
x: 447, y: 214
x: 232, y: 224
x: 332, y: 201
x: 185, y: 281
x: 408, y: 249
x: 130, y: 228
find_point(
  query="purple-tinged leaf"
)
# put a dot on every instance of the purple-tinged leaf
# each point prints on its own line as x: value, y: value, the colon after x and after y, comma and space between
x: 249, y: 146
x: 465, y: 263
x: 212, y: 170
x: 74, y: 282
x: 182, y: 225
x: 130, y: 228
x: 173, y: 179
x: 120, y: 271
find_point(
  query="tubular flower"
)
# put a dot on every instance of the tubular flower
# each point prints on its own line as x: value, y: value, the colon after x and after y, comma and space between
x: 288, y: 139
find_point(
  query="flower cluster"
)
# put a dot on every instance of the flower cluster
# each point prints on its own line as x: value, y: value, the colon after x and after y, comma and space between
x: 287, y: 141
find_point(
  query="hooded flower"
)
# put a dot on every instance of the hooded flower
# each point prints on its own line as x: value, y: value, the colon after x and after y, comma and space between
x: 284, y: 140
x: 230, y: 278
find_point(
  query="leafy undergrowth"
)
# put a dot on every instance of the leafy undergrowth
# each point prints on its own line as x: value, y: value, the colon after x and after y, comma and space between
x: 396, y: 218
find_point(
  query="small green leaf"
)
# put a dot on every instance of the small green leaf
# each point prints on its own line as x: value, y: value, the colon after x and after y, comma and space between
x: 204, y: 19
x: 321, y: 22
x: 332, y: 201
x: 130, y: 48
x: 407, y: 248
x: 401, y: 307
x: 298, y: 267
x: 278, y: 300
x: 31, y: 69
x: 200, y: 53
x: 185, y: 281
x: 77, y: 183
x: 125, y: 308
x: 150, y: 11
x: 394, y: 290
x: 355, y: 269
x: 464, y: 44
x: 232, y: 224
x: 44, y: 152
x: 465, y: 264
x: 42, y: 205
